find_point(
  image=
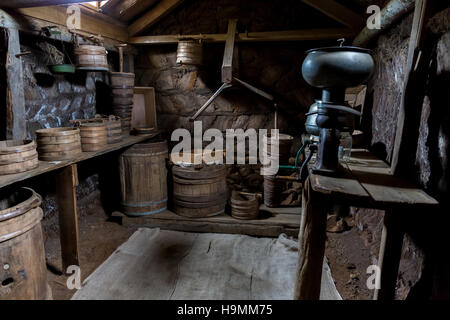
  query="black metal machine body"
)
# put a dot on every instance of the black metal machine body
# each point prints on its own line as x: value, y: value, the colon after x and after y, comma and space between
x: 333, y: 69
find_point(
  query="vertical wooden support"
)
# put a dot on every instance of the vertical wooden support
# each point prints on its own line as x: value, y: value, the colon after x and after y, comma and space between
x: 66, y: 182
x: 227, y: 64
x: 312, y: 238
x: 15, y: 98
x: 389, y: 256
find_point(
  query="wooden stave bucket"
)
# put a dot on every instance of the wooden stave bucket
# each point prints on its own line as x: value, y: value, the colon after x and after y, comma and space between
x: 143, y: 177
x: 94, y: 136
x: 189, y: 52
x: 17, y: 156
x: 272, y: 191
x: 22, y: 249
x: 89, y: 57
x: 246, y: 208
x: 122, y: 79
x: 284, y: 147
x: 61, y: 138
x: 121, y: 91
x: 199, y: 191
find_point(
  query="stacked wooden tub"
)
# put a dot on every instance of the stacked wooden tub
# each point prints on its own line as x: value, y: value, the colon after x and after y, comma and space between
x: 122, y: 85
x: 56, y: 144
x: 199, y: 191
x: 91, y: 58
x: 17, y: 156
x: 94, y: 136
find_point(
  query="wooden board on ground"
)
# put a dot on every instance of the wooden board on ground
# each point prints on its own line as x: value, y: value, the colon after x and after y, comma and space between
x: 169, y: 265
x: 272, y: 226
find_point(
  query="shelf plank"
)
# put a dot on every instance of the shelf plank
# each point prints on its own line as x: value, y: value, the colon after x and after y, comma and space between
x: 48, y: 166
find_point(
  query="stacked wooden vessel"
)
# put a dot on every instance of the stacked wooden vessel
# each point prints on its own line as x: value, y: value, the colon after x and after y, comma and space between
x: 17, y: 156
x: 122, y: 86
x: 56, y: 144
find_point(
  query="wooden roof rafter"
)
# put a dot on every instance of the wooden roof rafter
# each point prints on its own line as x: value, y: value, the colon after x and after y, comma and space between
x: 160, y: 10
x: 337, y: 12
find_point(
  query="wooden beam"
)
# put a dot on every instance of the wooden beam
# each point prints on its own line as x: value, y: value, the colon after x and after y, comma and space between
x: 66, y: 183
x: 271, y: 36
x: 408, y: 119
x: 15, y: 101
x: 126, y: 10
x: 227, y: 63
x: 89, y: 23
x: 154, y: 15
x: 35, y: 3
x: 337, y: 12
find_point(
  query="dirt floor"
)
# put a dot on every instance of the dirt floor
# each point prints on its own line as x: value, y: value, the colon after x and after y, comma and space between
x: 100, y: 236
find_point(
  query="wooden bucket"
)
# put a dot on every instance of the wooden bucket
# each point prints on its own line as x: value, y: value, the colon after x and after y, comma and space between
x: 17, y: 156
x: 91, y: 58
x: 244, y: 206
x: 284, y: 147
x: 23, y: 272
x: 122, y: 91
x: 113, y: 129
x: 122, y: 79
x: 189, y: 52
x: 143, y: 177
x: 126, y: 126
x: 272, y: 191
x: 56, y: 144
x: 199, y: 191
x: 122, y: 100
x: 94, y: 136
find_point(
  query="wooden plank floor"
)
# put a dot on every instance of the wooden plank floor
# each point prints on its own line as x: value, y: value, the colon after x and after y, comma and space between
x: 274, y: 222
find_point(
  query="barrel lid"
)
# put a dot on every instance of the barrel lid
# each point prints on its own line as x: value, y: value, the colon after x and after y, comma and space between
x: 195, y: 157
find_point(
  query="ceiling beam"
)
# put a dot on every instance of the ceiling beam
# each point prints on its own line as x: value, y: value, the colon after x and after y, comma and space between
x: 159, y: 11
x: 337, y: 12
x: 35, y: 3
x: 272, y: 36
x: 90, y: 22
x: 126, y: 10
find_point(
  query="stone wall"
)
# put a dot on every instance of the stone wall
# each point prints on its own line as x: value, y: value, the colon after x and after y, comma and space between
x: 53, y: 100
x: 424, y: 256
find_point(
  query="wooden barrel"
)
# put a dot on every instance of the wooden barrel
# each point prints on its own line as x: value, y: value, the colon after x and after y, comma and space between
x: 244, y: 206
x: 284, y: 147
x: 17, y: 156
x: 122, y: 99
x: 143, y: 177
x: 189, y: 52
x: 272, y: 191
x: 122, y: 91
x: 199, y: 191
x: 94, y: 136
x: 56, y: 144
x: 92, y: 58
x: 23, y: 271
x: 122, y: 79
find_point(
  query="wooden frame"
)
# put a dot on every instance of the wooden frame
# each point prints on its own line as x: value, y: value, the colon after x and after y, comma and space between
x: 149, y: 107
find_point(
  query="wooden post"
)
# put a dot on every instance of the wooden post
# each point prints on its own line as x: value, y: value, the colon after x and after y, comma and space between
x: 227, y: 64
x: 389, y: 256
x: 312, y: 238
x: 66, y: 182
x: 15, y: 98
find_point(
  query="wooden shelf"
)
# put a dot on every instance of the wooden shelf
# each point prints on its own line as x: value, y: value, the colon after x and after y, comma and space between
x: 47, y: 166
x: 271, y: 226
